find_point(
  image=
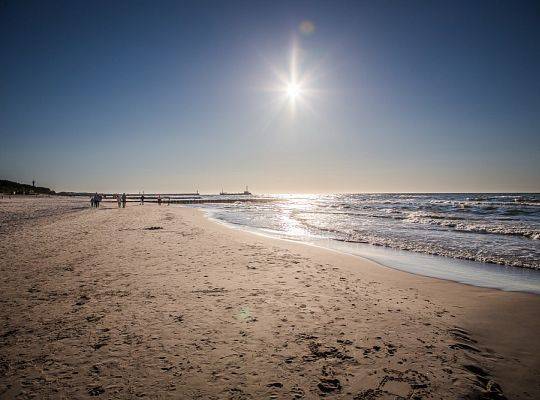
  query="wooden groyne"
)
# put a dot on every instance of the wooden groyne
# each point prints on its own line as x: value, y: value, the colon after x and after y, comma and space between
x: 214, y: 200
x: 200, y: 200
x: 154, y: 195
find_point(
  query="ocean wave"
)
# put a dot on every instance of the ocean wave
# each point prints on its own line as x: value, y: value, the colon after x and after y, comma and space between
x: 500, y: 228
x: 477, y: 228
x: 438, y: 249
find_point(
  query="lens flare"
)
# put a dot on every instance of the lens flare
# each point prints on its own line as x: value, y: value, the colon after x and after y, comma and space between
x: 307, y: 27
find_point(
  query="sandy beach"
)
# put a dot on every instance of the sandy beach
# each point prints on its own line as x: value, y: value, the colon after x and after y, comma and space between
x: 160, y: 302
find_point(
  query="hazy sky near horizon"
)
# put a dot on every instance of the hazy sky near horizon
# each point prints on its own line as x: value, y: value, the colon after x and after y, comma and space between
x: 169, y: 96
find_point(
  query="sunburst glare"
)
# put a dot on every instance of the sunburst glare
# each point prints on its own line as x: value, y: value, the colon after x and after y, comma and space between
x: 293, y: 87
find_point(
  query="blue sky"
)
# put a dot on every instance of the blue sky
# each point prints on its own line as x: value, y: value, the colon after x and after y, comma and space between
x: 173, y: 96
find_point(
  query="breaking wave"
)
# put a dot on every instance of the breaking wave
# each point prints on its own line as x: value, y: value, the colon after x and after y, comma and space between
x: 496, y: 228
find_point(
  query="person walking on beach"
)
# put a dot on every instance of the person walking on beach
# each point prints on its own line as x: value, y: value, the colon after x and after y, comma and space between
x: 124, y: 200
x: 142, y: 199
x: 92, y: 201
x: 118, y: 199
x: 159, y: 199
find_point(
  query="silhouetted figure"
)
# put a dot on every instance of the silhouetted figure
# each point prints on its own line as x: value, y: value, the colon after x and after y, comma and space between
x: 93, y: 201
x: 142, y: 199
x: 159, y: 200
x: 97, y: 200
x: 118, y: 200
x: 124, y: 200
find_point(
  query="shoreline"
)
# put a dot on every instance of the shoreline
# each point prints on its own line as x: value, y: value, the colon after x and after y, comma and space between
x: 194, y: 308
x: 467, y: 276
x: 492, y: 325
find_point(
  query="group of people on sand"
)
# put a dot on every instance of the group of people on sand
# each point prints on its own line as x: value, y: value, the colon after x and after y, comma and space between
x: 121, y: 200
x: 95, y: 200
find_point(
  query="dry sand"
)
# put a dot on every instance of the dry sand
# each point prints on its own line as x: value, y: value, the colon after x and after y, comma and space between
x: 94, y: 303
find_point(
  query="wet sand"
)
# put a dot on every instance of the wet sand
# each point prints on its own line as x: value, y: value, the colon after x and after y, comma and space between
x: 159, y: 302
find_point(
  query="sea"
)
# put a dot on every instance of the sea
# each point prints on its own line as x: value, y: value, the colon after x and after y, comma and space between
x: 489, y: 240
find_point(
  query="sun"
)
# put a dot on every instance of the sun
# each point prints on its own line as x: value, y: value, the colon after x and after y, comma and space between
x: 294, y: 86
x: 293, y: 91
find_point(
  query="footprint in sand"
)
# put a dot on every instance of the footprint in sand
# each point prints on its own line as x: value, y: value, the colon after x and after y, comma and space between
x: 96, y: 391
x: 487, y: 388
x: 398, y: 385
